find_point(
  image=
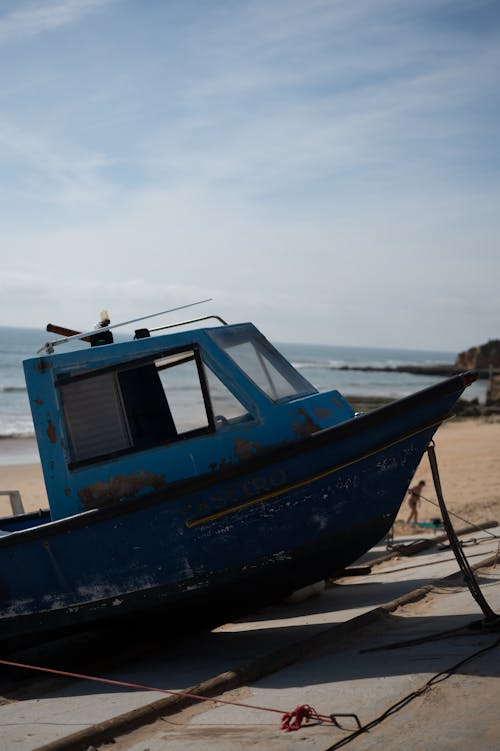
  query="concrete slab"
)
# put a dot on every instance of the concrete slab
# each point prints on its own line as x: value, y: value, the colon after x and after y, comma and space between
x: 459, y: 710
x: 63, y: 708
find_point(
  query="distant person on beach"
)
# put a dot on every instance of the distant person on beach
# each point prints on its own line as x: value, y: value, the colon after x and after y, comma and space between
x: 414, y: 501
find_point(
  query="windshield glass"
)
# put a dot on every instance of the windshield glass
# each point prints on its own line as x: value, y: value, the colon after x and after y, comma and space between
x: 262, y: 363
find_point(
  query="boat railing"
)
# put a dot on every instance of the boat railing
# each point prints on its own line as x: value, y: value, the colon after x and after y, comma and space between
x: 186, y: 323
x: 48, y: 347
x: 16, y: 503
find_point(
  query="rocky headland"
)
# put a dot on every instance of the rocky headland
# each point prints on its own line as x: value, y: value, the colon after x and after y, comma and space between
x: 484, y: 359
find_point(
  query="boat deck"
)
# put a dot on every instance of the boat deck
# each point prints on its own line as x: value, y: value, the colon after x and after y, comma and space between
x: 308, y: 651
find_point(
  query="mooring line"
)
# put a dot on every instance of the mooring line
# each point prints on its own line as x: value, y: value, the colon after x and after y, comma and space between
x: 492, y: 618
x: 462, y: 519
x: 405, y: 700
x: 290, y: 720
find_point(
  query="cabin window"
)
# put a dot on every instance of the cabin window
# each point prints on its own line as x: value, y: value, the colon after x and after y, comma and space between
x: 136, y: 407
x: 267, y: 368
x: 94, y: 414
x: 227, y: 408
x: 180, y: 380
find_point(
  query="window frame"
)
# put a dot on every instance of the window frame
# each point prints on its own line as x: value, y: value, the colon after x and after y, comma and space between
x: 265, y: 351
x: 192, y: 351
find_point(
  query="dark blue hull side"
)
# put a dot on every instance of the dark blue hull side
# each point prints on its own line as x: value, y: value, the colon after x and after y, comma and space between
x: 261, y: 528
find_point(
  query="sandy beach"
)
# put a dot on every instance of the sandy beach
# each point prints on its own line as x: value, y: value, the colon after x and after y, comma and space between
x: 17, y: 474
x: 468, y: 453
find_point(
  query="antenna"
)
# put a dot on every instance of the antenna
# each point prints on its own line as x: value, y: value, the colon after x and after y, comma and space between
x: 48, y: 347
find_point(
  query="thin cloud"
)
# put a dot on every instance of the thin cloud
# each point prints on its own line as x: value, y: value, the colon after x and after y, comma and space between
x: 372, y: 85
x: 51, y: 174
x: 307, y: 161
x: 39, y: 18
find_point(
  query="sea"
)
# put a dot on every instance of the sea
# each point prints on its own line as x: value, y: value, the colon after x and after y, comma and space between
x: 320, y: 364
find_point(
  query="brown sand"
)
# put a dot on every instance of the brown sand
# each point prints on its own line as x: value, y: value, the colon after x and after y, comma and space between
x: 468, y: 453
x: 28, y: 479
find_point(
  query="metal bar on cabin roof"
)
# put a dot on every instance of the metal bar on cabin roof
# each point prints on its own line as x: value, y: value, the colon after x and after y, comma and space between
x: 100, y: 329
x: 184, y: 323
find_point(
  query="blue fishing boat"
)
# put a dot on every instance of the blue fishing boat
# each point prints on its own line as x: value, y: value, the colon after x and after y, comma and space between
x: 192, y: 467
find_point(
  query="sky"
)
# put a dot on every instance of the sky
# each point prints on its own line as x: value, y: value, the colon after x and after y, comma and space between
x: 327, y: 169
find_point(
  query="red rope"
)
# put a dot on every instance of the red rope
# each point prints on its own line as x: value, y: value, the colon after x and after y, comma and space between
x: 289, y: 720
x: 293, y: 720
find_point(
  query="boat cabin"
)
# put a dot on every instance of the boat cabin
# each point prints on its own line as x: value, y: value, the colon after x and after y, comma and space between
x: 125, y: 418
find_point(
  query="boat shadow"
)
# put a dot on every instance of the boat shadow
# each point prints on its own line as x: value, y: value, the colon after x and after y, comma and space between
x: 414, y: 647
x: 306, y: 644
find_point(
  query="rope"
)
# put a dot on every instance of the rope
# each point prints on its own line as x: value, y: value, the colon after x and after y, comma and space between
x: 438, y: 678
x: 467, y: 521
x: 458, y: 631
x: 289, y: 720
x: 431, y: 563
x: 470, y: 579
x: 293, y: 720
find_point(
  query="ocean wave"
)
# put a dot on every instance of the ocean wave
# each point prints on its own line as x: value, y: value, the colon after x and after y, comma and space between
x: 13, y: 433
x: 310, y: 364
x: 354, y: 364
x: 16, y: 426
x: 382, y: 365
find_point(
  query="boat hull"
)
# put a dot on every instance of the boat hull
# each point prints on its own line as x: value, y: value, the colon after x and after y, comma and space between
x: 238, y: 537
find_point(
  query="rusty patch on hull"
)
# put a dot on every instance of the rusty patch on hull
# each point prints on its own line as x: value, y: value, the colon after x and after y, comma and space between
x: 243, y: 448
x: 101, y: 494
x: 337, y: 402
x: 51, y: 432
x: 322, y: 412
x: 305, y: 427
